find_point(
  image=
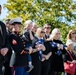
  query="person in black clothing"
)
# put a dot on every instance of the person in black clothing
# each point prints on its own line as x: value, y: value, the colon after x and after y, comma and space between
x: 58, y: 50
x: 67, y: 57
x: 35, y: 56
x: 3, y: 44
x: 47, y: 29
x: 45, y: 61
x: 40, y: 35
x: 28, y: 37
x: 7, y: 62
x: 21, y: 53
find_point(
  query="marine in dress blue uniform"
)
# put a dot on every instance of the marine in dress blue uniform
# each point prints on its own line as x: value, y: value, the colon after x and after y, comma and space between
x: 18, y: 45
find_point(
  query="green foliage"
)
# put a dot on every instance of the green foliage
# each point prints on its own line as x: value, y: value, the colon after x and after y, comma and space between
x: 44, y: 11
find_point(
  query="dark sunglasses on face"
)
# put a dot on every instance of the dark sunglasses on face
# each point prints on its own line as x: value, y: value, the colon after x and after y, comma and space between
x: 42, y: 32
x: 47, y: 27
x: 73, y: 33
x: 58, y: 33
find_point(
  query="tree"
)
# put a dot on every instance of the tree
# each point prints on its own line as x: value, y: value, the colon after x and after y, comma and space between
x: 43, y: 11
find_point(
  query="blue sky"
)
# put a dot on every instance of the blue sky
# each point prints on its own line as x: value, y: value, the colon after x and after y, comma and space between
x: 4, y: 11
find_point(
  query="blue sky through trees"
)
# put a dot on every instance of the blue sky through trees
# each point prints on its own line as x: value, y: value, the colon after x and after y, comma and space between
x: 4, y: 11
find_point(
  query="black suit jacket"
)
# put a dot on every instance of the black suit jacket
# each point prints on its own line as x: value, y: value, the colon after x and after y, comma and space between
x: 3, y: 39
x: 68, y: 58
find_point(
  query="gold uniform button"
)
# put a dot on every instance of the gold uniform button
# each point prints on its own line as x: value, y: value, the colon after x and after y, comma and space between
x: 23, y: 42
x: 25, y: 48
x: 24, y: 45
x: 19, y: 35
x: 20, y: 38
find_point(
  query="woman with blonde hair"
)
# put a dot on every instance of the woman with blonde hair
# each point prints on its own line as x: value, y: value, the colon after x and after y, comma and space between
x: 58, y: 50
x: 40, y: 35
x: 37, y: 56
x: 39, y: 31
x: 72, y: 36
x: 45, y: 62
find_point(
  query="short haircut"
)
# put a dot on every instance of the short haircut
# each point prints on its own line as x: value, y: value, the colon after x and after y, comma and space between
x: 0, y: 6
x: 46, y: 25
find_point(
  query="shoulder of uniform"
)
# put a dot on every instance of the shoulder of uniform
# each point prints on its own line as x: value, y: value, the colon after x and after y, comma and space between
x: 12, y: 35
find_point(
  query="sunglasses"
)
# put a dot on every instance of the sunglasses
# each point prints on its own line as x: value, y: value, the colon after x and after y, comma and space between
x: 58, y: 33
x: 42, y: 32
x: 47, y: 27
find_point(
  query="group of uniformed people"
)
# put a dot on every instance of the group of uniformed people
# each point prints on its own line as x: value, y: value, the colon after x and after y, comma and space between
x: 33, y: 50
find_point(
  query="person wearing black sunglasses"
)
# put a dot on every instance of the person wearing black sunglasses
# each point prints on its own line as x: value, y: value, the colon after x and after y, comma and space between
x: 47, y: 29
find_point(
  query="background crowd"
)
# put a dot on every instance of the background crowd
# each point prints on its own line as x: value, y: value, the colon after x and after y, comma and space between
x: 34, y: 50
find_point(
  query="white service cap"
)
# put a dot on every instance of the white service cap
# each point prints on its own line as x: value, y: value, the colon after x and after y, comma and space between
x: 15, y: 21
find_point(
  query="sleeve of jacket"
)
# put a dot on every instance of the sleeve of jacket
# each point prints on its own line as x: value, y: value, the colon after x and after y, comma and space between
x: 48, y: 46
x: 26, y: 36
x: 7, y: 44
x: 4, y: 35
x: 66, y: 57
x: 64, y: 50
x: 16, y: 46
